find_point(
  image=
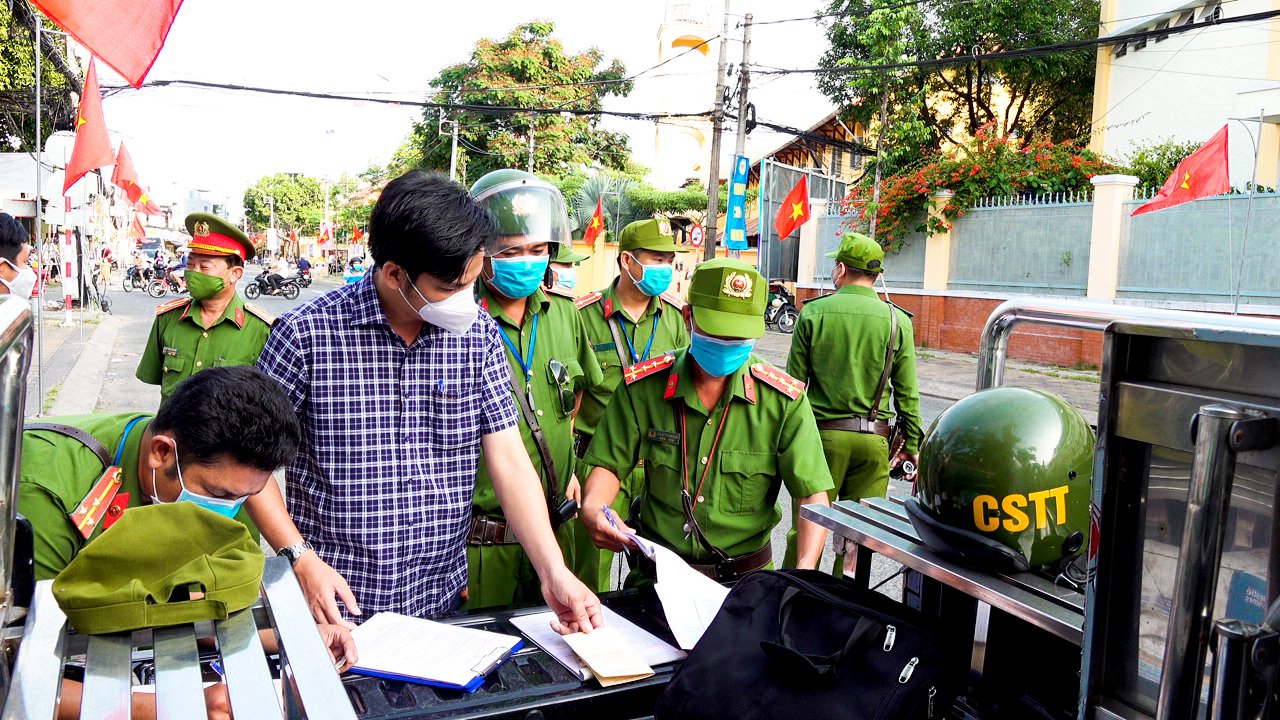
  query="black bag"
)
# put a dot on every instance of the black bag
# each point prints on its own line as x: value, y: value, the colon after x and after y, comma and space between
x: 803, y: 644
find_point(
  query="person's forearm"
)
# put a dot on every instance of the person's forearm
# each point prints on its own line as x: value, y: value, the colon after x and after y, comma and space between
x: 268, y: 512
x: 810, y: 537
x: 600, y: 490
x: 520, y: 494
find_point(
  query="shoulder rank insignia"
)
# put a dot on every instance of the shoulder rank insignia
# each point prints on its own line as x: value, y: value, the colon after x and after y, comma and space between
x: 259, y: 313
x: 673, y: 300
x: 163, y: 308
x: 588, y: 299
x: 778, y: 380
x: 94, y: 506
x: 557, y: 290
x: 642, y: 370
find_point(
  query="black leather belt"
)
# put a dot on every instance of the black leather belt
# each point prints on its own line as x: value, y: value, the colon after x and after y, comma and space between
x: 857, y: 424
x: 490, y: 531
x: 731, y: 569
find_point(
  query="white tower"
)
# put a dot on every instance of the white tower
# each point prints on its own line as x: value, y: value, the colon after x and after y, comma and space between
x: 682, y: 148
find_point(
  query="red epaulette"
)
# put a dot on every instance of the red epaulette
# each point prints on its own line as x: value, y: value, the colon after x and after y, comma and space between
x: 259, y: 313
x: 586, y: 300
x: 172, y: 305
x: 93, y: 508
x: 673, y: 300
x: 557, y: 290
x: 641, y: 370
x: 778, y: 380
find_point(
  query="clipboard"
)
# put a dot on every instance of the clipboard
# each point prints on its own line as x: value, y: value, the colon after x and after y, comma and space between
x: 425, y: 652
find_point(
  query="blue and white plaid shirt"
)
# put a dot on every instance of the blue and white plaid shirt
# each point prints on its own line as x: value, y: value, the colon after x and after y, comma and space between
x: 391, y: 434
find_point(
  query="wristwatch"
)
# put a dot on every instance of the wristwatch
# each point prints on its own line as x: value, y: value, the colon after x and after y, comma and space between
x: 295, y: 552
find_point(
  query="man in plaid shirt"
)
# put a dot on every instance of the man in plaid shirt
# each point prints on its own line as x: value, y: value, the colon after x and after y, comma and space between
x: 398, y: 382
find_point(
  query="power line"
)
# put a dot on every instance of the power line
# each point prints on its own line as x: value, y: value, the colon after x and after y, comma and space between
x: 1032, y: 51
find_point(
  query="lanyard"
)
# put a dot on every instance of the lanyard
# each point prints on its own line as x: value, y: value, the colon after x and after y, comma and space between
x: 525, y: 365
x: 693, y: 500
x: 652, y: 332
x: 125, y: 437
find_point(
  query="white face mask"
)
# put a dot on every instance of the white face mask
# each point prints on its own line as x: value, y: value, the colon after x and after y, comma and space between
x: 23, y: 284
x: 455, y: 314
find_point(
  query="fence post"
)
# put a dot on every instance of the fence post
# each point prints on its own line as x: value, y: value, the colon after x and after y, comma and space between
x: 937, y: 248
x: 807, y: 255
x: 1109, y: 194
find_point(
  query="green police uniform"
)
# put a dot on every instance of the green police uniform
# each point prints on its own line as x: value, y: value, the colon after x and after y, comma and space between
x: 499, y: 572
x: 61, y: 485
x: 180, y: 345
x: 732, y: 458
x: 838, y: 348
x: 660, y: 328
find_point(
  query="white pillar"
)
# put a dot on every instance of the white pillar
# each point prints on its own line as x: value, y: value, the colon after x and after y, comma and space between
x: 937, y: 249
x: 1109, y: 195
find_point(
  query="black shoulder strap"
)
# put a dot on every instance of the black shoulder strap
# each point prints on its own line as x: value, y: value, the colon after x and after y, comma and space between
x: 76, y: 433
x: 888, y: 362
x: 521, y: 390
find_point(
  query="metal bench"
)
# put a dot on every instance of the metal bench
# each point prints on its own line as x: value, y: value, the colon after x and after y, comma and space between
x: 311, y: 686
x: 880, y: 525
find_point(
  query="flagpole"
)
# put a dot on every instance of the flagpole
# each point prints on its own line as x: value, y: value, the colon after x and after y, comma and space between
x: 44, y: 265
x: 1248, y: 215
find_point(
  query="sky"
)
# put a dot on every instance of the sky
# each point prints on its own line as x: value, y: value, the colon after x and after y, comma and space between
x: 220, y: 142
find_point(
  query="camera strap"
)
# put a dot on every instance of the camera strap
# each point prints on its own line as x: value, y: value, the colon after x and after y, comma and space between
x: 524, y: 398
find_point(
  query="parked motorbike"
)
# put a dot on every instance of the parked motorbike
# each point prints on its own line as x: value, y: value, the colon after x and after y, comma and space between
x: 136, y: 278
x: 289, y: 288
x: 304, y: 278
x: 781, y: 312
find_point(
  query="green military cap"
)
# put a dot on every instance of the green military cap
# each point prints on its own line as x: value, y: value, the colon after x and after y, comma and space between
x: 861, y: 252
x: 728, y: 298
x: 211, y: 235
x: 647, y: 235
x: 567, y: 255
x: 145, y: 571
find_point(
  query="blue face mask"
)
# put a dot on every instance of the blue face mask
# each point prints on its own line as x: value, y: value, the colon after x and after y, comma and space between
x: 227, y: 508
x: 655, y: 279
x: 719, y: 357
x: 567, y: 278
x: 518, y: 277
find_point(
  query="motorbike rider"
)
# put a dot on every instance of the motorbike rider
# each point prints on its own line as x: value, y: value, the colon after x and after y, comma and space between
x: 280, y: 269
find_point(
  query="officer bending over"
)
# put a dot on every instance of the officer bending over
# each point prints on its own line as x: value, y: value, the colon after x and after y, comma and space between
x: 214, y: 443
x: 719, y: 431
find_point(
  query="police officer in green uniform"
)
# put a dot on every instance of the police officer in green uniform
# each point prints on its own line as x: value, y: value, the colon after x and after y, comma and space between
x: 632, y: 320
x: 549, y: 355
x: 215, y: 326
x: 215, y: 443
x: 564, y: 268
x: 719, y: 431
x: 839, y: 348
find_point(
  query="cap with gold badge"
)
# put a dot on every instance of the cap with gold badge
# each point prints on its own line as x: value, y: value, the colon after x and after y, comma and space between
x: 728, y: 298
x: 859, y: 251
x: 647, y: 235
x: 211, y: 235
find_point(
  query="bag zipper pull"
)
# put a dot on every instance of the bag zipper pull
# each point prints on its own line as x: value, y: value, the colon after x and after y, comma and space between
x: 932, y: 691
x: 906, y: 671
x: 891, y: 634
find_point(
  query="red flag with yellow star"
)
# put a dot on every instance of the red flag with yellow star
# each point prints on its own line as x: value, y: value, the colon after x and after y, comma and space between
x: 596, y: 227
x: 125, y: 177
x: 93, y: 148
x: 1203, y: 173
x: 795, y: 209
x: 126, y: 34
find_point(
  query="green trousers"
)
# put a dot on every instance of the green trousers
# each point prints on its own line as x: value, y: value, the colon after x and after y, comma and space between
x: 859, y: 465
x: 501, y: 575
x: 591, y: 564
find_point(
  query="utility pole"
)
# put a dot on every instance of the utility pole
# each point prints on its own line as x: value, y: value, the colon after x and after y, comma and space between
x: 744, y: 79
x: 533, y: 119
x: 40, y: 258
x: 453, y: 154
x: 713, y: 185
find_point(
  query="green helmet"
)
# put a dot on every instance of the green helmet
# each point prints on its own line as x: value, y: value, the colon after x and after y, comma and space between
x: 1004, y: 480
x: 526, y: 209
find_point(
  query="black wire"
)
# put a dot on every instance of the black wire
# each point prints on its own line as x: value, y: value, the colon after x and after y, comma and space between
x: 1032, y: 51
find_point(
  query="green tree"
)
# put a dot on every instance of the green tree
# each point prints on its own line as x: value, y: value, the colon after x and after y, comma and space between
x: 60, y: 84
x: 527, y: 69
x: 1049, y: 95
x: 299, y: 202
x: 1154, y: 163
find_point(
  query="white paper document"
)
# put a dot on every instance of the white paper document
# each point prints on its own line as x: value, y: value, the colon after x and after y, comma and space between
x: 417, y: 650
x: 648, y: 647
x: 689, y: 598
x: 613, y: 661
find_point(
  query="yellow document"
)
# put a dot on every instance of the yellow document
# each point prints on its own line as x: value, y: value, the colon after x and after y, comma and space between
x: 609, y: 656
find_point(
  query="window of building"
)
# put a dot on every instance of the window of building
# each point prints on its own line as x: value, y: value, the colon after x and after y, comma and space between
x: 1162, y: 25
x: 1120, y: 50
x: 837, y: 161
